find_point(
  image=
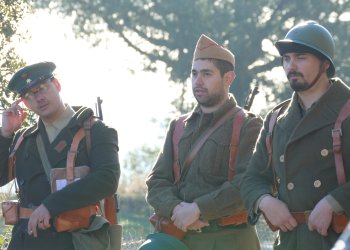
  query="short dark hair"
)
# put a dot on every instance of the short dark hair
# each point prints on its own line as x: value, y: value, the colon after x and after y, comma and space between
x: 222, y: 65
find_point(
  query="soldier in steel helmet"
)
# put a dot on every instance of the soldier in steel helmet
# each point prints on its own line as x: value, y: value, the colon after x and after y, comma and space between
x: 292, y: 178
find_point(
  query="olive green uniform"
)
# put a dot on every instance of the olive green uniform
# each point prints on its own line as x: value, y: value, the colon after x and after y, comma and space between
x: 206, y: 181
x: 304, y: 164
x: 34, y: 187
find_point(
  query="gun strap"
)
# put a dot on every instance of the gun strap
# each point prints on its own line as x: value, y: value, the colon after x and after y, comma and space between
x: 43, y: 156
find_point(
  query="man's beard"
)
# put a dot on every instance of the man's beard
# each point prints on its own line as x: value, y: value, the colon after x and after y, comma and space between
x: 210, y: 100
x: 296, y: 85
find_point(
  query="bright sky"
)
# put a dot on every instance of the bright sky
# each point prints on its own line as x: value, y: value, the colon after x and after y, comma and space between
x: 130, y: 101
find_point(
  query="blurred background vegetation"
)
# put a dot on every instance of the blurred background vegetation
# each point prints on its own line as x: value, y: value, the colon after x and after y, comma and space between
x: 166, y: 31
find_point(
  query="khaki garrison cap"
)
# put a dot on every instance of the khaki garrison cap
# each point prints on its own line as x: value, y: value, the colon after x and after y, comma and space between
x: 207, y: 48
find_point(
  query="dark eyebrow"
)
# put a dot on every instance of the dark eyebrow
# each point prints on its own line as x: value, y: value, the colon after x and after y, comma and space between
x: 203, y: 70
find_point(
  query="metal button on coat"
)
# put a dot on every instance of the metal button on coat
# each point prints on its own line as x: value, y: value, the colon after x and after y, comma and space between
x: 324, y: 152
x: 290, y: 186
x: 282, y: 158
x: 317, y: 183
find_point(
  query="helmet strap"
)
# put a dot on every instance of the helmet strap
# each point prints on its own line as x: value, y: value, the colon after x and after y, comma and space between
x: 321, y: 70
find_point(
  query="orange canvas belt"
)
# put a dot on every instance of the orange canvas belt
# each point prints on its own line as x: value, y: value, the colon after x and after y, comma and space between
x: 339, y: 221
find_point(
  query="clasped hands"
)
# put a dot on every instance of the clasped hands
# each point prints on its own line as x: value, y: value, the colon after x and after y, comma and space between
x: 186, y: 217
x: 279, y: 215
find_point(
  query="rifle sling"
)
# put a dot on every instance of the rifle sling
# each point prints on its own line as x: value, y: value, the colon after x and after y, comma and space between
x: 204, y: 137
x: 45, y: 161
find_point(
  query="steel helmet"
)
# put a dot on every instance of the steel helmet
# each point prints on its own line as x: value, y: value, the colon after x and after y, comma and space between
x: 313, y: 38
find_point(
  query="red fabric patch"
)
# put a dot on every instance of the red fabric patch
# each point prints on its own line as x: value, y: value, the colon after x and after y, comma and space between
x: 60, y: 146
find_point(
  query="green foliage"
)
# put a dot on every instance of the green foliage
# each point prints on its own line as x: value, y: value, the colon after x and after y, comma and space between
x: 141, y: 160
x: 11, y: 13
x: 5, y: 236
x: 167, y: 30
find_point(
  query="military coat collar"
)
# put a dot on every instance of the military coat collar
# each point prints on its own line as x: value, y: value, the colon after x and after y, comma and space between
x: 82, y: 113
x: 321, y: 114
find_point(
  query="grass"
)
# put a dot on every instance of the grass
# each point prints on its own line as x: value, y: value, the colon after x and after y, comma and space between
x: 133, y: 215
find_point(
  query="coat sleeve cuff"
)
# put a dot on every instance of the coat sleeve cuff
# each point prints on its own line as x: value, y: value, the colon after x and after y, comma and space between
x: 207, y: 208
x: 337, y: 208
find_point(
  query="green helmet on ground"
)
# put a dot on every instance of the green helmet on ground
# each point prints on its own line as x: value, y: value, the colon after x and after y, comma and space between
x: 162, y: 241
x: 309, y: 37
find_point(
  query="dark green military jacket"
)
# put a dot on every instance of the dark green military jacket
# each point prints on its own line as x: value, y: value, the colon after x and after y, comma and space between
x: 34, y: 187
x: 304, y: 163
x: 206, y: 181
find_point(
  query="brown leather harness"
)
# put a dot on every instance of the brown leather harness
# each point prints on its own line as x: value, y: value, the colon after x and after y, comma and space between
x: 109, y: 202
x: 237, y: 124
x: 339, y: 221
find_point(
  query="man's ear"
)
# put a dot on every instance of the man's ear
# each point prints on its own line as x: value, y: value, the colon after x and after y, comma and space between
x: 325, y: 65
x: 229, y: 77
x: 57, y: 84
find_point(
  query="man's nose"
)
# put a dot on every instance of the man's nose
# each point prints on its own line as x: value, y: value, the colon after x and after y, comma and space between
x: 198, y: 80
x: 290, y: 65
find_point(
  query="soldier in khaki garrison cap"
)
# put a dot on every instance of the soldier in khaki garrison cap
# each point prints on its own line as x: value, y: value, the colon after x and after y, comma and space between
x: 204, y: 194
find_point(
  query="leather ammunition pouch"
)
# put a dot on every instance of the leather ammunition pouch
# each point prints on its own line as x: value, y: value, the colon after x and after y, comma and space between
x: 73, y: 219
x: 10, y: 212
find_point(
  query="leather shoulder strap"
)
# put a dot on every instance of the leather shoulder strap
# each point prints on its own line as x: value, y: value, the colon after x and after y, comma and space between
x: 337, y: 144
x: 235, y: 137
x: 12, y: 159
x: 110, y: 203
x: 238, y: 115
x: 87, y: 127
x: 72, y: 153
